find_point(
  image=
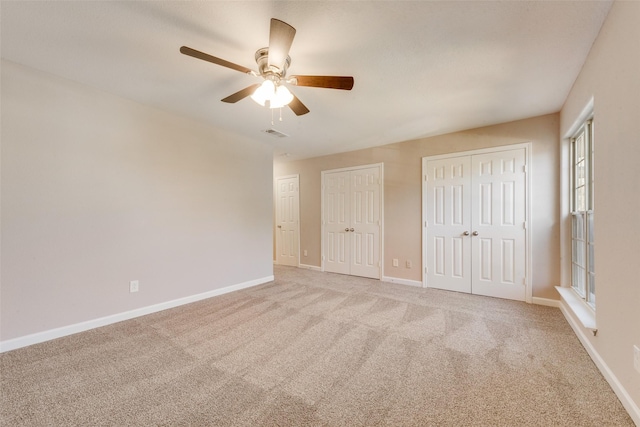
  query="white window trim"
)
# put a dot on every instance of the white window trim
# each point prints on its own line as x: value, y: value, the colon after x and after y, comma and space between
x: 574, y: 302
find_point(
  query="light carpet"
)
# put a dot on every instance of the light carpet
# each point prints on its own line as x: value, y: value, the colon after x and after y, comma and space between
x: 316, y: 349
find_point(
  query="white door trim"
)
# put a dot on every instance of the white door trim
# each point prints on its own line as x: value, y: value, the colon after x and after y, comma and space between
x: 322, y: 207
x: 275, y: 218
x: 528, y: 233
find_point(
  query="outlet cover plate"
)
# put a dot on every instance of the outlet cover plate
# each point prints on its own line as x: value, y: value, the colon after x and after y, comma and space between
x: 134, y: 286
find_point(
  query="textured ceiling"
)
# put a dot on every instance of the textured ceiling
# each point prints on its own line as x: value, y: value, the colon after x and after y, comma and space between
x: 421, y: 68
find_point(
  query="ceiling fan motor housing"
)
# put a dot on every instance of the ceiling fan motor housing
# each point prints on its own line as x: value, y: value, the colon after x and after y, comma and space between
x: 262, y: 59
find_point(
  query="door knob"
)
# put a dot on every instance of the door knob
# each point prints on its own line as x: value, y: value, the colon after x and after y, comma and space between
x: 466, y: 233
x: 279, y: 226
x: 351, y: 229
x: 346, y: 229
x: 475, y: 233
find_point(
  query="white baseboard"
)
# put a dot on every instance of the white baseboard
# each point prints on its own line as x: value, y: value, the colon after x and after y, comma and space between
x: 310, y: 267
x: 399, y: 281
x: 51, y: 334
x: 546, y: 301
x: 628, y: 403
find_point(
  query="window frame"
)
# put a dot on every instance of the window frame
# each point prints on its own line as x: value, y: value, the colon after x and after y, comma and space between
x: 582, y: 212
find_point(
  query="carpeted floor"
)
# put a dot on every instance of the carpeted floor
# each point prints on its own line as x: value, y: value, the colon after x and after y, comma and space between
x: 316, y: 349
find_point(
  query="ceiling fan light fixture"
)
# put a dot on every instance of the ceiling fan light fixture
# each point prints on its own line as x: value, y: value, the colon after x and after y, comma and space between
x: 277, y: 96
x: 281, y: 98
x: 265, y: 92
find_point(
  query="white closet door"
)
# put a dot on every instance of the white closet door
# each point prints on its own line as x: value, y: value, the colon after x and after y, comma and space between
x: 475, y: 212
x: 449, y: 221
x: 337, y: 190
x: 364, y: 229
x: 498, y: 224
x: 352, y: 201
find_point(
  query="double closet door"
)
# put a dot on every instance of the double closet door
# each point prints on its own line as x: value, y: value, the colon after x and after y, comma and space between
x: 351, y: 221
x: 475, y: 222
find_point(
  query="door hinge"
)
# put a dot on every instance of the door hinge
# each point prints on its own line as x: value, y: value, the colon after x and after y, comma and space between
x: 524, y: 280
x: 425, y: 223
x: 426, y: 270
x: 426, y: 177
x: 524, y: 225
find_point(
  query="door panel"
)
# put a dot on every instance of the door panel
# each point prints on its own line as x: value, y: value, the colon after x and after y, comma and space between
x: 498, y: 201
x: 448, y: 218
x: 287, y: 212
x: 336, y: 222
x: 365, y: 222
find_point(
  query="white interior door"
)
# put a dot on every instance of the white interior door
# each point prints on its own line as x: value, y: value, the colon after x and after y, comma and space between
x: 352, y: 211
x: 364, y: 230
x: 337, y: 190
x: 498, y: 224
x: 449, y: 221
x: 287, y: 220
x: 475, y: 221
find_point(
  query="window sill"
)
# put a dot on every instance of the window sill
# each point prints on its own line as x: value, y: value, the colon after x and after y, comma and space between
x: 580, y: 309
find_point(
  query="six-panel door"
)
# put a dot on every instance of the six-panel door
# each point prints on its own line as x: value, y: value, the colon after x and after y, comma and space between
x: 475, y: 213
x: 287, y: 223
x: 352, y: 209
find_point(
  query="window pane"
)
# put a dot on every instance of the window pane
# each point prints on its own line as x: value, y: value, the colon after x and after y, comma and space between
x: 580, y: 174
x: 581, y: 200
x: 578, y: 226
x: 578, y: 280
x: 590, y: 234
x: 591, y: 297
x: 580, y: 147
x: 591, y: 260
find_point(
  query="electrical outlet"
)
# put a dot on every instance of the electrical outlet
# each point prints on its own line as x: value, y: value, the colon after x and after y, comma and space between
x: 408, y: 264
x: 395, y: 262
x: 304, y: 252
x: 636, y: 358
x: 134, y: 286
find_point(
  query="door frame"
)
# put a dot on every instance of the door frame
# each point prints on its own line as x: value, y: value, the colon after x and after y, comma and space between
x: 275, y: 217
x: 527, y: 200
x: 322, y: 203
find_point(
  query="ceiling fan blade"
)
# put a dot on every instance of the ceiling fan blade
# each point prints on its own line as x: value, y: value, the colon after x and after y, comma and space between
x: 298, y: 107
x: 206, y: 57
x: 330, y: 82
x: 241, y: 94
x: 280, y: 39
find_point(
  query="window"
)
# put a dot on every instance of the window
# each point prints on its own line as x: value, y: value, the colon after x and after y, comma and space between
x: 582, y: 235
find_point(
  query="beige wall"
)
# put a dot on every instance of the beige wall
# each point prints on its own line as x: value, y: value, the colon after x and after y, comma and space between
x: 611, y: 77
x: 403, y: 194
x: 98, y: 190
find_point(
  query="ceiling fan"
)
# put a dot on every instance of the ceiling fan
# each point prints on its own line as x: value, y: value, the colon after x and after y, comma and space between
x: 273, y: 62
